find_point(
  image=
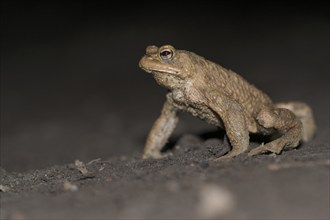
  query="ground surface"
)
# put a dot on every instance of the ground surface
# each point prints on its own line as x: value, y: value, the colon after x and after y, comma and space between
x: 76, y: 109
x: 187, y: 185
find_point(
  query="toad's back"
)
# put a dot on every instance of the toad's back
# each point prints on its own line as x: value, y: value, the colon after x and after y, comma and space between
x: 215, y: 77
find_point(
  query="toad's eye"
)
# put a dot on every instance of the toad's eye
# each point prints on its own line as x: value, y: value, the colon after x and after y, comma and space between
x: 166, y: 54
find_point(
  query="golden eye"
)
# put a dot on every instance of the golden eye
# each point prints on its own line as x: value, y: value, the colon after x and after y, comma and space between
x: 166, y: 54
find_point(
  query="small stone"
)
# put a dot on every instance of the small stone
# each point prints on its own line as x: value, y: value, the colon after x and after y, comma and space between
x: 81, y: 167
x: 68, y: 186
x: 4, y: 188
x: 214, y: 201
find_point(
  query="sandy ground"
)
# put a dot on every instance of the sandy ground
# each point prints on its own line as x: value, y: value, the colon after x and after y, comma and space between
x: 76, y: 109
x: 294, y: 185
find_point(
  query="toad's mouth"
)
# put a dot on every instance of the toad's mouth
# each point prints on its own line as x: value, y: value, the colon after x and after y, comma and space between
x: 157, y: 71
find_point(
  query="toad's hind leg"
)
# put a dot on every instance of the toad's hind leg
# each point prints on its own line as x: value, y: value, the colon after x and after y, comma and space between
x: 286, y: 123
x: 305, y: 114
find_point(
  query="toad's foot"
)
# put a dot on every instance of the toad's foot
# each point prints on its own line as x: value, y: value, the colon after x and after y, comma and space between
x: 156, y: 155
x: 265, y: 148
x: 230, y: 154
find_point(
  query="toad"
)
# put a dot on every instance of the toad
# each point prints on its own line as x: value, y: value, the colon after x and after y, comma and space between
x: 222, y: 98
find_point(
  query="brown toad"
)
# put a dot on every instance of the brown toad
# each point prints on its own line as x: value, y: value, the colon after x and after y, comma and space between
x: 222, y: 98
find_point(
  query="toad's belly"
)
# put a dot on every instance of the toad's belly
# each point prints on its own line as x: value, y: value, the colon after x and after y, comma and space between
x: 201, y: 111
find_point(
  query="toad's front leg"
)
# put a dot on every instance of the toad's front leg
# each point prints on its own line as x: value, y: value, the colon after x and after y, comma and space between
x: 161, y: 131
x: 232, y: 115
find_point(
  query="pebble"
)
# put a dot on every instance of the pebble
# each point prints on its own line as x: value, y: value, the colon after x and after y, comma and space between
x: 214, y: 201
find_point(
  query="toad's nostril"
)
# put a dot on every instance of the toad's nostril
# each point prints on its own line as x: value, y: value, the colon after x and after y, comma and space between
x: 151, y: 49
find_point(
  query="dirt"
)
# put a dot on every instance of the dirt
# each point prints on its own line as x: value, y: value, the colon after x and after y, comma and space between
x: 292, y: 185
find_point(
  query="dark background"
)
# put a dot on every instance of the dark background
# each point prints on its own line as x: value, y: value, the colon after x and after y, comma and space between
x: 71, y: 87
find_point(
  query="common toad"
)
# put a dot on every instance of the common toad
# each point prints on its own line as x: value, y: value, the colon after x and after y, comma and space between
x: 222, y: 98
